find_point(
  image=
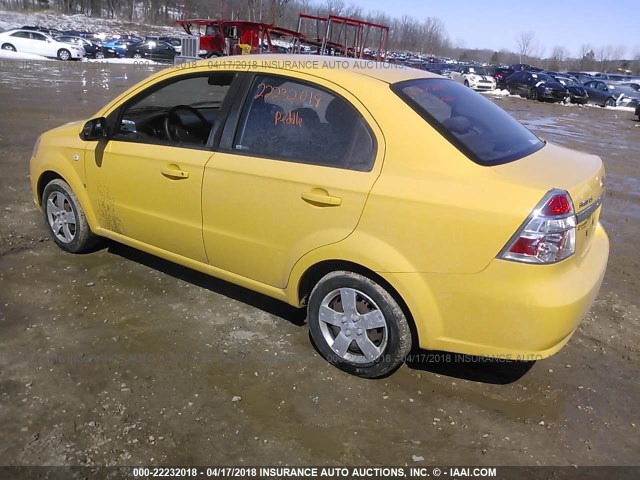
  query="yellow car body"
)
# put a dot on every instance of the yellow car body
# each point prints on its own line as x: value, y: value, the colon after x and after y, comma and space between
x: 424, y: 221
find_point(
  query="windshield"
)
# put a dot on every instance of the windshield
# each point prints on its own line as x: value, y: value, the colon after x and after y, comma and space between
x: 566, y: 81
x: 626, y: 89
x: 477, y: 70
x: 480, y: 129
x: 542, y: 77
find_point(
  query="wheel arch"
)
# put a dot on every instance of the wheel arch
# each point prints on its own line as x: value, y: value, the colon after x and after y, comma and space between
x: 315, y: 272
x: 75, y: 184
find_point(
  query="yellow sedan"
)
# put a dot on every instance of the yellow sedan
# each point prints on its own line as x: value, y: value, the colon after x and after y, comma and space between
x: 402, y: 209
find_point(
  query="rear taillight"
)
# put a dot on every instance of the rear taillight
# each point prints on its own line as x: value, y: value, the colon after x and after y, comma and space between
x: 549, y: 233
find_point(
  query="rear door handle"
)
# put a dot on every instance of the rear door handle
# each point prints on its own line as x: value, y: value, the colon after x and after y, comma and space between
x: 319, y: 196
x: 173, y: 171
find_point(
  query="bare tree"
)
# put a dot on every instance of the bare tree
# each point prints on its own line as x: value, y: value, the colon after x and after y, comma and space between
x: 334, y: 7
x: 557, y: 58
x: 276, y: 9
x: 603, y: 55
x: 432, y: 33
x: 525, y: 44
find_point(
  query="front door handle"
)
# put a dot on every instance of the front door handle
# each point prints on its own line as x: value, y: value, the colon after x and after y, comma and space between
x: 319, y: 196
x: 173, y: 171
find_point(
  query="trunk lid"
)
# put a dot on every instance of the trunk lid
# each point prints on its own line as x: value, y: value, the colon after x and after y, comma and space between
x: 580, y: 174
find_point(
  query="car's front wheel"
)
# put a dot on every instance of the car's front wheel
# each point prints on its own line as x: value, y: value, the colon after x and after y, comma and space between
x: 533, y: 94
x: 64, y: 54
x: 8, y: 46
x: 357, y: 325
x: 99, y: 55
x: 610, y: 102
x: 67, y: 222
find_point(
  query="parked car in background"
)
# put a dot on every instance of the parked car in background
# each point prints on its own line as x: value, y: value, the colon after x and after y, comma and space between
x: 80, y: 33
x: 443, y: 69
x: 500, y: 74
x: 39, y: 43
x: 582, y: 77
x: 474, y: 77
x: 521, y: 67
x: 118, y: 48
x: 601, y: 93
x: 49, y: 31
x: 614, y: 77
x: 152, y: 50
x: 368, y: 249
x: 626, y: 95
x: 578, y: 94
x: 91, y: 49
x: 536, y: 86
x: 175, y: 42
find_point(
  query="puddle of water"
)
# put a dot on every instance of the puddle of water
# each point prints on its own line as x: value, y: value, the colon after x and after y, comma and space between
x: 44, y: 75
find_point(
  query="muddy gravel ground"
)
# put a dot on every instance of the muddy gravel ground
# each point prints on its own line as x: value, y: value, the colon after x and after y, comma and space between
x: 118, y: 358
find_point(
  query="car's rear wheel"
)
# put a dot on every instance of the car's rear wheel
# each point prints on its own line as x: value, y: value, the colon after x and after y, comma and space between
x: 67, y: 222
x: 357, y: 325
x: 8, y: 46
x: 64, y: 54
x: 610, y: 102
x: 533, y: 94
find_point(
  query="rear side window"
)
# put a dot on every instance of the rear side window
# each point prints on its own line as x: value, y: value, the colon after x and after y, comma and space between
x: 287, y: 119
x: 481, y: 130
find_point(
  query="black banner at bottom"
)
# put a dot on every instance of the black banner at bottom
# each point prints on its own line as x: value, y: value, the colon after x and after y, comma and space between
x: 335, y: 472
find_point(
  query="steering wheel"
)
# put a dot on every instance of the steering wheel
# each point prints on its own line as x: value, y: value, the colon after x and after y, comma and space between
x: 175, y: 130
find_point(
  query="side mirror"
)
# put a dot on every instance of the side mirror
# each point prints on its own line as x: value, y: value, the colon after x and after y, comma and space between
x: 94, y: 129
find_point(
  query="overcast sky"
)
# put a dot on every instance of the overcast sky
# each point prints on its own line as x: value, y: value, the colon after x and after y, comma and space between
x: 495, y: 24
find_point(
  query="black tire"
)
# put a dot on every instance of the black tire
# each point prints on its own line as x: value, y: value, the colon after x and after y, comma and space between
x: 8, y: 46
x: 533, y: 94
x: 137, y: 55
x: 99, y: 55
x: 466, y: 83
x: 610, y: 102
x: 78, y: 237
x: 64, y: 54
x: 385, y: 336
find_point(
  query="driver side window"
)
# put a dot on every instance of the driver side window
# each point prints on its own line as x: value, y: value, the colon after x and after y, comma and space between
x: 181, y: 113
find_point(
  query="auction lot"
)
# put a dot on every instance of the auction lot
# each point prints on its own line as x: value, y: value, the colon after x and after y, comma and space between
x: 119, y: 358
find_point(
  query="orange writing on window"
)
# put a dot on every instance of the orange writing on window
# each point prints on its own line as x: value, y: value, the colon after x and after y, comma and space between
x: 290, y: 118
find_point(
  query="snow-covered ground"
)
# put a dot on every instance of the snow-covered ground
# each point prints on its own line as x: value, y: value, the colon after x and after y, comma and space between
x: 9, y: 20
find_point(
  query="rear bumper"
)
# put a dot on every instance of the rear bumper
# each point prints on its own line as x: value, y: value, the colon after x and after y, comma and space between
x: 509, y: 310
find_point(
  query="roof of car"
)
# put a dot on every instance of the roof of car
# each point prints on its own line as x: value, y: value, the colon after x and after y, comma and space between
x: 331, y: 67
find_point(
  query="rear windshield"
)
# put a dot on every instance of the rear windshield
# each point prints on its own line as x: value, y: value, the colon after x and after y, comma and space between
x: 481, y: 130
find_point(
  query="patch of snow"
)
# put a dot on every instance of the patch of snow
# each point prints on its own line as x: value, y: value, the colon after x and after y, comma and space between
x: 499, y: 93
x: 619, y: 109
